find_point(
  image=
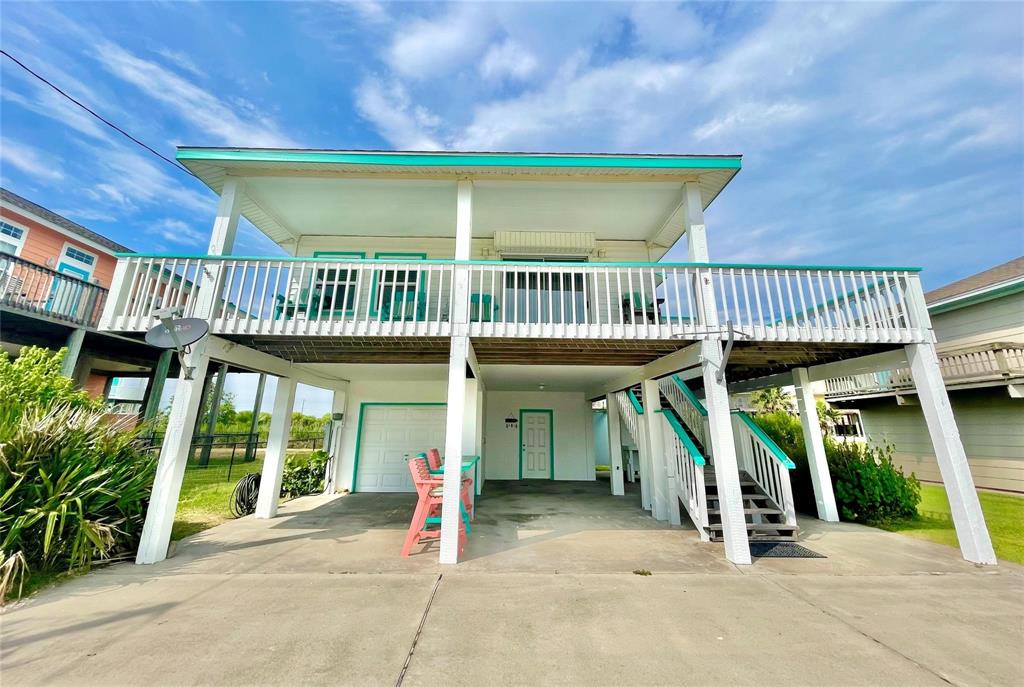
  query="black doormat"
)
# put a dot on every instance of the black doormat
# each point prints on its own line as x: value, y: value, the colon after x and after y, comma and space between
x: 774, y: 549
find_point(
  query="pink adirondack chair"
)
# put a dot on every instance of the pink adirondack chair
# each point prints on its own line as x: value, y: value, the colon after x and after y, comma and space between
x: 428, y: 506
x: 435, y: 462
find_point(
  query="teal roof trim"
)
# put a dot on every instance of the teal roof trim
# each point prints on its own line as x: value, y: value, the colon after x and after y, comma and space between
x: 459, y: 159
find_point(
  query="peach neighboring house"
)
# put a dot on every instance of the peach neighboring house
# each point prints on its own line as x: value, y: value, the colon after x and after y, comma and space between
x: 54, y: 279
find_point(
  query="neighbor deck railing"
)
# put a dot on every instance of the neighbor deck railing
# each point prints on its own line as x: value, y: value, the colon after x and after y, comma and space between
x: 31, y: 288
x: 995, y: 362
x: 339, y: 297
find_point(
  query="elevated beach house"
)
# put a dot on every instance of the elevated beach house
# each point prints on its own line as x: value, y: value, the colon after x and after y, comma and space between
x: 481, y: 302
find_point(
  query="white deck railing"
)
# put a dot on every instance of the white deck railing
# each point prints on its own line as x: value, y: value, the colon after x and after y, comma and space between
x: 765, y: 462
x: 977, y: 365
x: 331, y: 297
x: 689, y: 467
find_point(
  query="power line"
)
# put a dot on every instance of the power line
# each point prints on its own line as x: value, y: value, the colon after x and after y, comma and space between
x: 113, y: 126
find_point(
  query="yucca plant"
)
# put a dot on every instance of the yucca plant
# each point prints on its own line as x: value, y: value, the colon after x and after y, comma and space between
x: 73, y: 485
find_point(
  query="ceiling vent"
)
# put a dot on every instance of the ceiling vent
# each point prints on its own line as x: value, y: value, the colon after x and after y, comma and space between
x: 544, y: 242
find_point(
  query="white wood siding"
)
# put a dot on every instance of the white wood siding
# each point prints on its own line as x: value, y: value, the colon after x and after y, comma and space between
x: 998, y: 320
x: 991, y: 425
x: 574, y: 442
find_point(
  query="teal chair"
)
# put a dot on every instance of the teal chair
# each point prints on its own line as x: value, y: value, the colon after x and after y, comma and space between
x: 403, y: 305
x: 482, y: 308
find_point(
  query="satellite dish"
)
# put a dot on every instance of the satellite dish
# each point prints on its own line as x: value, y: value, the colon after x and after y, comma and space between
x: 177, y: 333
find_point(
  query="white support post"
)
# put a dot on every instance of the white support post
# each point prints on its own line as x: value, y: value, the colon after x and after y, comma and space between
x: 656, y: 452
x: 723, y: 447
x: 470, y: 429
x: 225, y: 226
x: 74, y: 345
x: 463, y: 246
x: 969, y: 521
x: 277, y: 448
x: 455, y: 417
x: 338, y: 401
x: 817, y: 462
x: 163, y: 502
x: 693, y: 223
x: 478, y: 478
x: 615, y: 446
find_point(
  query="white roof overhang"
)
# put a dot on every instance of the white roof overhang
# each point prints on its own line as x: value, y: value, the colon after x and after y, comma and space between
x: 293, y: 193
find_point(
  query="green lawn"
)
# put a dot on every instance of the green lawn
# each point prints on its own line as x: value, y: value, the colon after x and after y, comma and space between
x: 206, y: 492
x: 1004, y: 514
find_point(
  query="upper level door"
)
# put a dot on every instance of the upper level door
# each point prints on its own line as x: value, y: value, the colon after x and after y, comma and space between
x: 558, y: 297
x: 536, y: 456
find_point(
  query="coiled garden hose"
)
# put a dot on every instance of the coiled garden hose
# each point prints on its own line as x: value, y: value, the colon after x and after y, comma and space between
x: 245, y: 494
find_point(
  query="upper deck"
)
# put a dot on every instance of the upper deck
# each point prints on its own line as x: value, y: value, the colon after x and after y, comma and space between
x: 330, y: 297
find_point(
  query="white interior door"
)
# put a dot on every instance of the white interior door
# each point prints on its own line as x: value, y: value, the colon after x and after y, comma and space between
x: 390, y: 436
x: 537, y: 451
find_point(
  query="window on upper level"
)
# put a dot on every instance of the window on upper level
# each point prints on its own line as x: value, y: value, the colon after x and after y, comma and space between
x: 12, y: 238
x: 79, y: 255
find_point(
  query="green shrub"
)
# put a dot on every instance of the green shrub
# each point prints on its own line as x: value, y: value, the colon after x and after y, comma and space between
x: 73, y: 487
x: 868, y: 487
x: 304, y: 474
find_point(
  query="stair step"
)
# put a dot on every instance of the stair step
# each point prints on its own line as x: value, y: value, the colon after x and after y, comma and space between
x: 760, y: 527
x: 749, y: 511
x: 755, y: 537
x: 746, y: 497
x: 743, y: 483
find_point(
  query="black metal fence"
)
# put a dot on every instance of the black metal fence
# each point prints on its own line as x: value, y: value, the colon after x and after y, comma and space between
x: 226, y: 457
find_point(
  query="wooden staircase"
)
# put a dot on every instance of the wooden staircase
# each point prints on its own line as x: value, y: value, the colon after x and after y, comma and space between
x: 765, y: 521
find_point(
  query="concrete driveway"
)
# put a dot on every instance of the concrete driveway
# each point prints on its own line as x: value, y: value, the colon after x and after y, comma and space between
x: 547, y: 595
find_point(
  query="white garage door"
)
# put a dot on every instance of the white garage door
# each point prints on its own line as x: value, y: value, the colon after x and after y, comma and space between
x: 392, y: 435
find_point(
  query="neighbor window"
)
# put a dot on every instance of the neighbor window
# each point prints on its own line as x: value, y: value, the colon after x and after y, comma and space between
x: 12, y: 238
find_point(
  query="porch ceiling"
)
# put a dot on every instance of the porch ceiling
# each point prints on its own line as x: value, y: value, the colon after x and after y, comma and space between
x: 291, y: 193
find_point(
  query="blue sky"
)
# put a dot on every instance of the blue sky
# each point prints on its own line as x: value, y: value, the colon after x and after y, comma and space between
x: 871, y: 132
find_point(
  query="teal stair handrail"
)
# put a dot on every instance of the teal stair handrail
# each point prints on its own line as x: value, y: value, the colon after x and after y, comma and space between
x: 636, y: 403
x: 690, y: 396
x: 779, y: 454
x: 687, y: 442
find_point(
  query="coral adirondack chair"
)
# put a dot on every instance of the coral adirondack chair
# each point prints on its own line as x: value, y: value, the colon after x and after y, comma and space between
x: 428, y: 508
x: 435, y: 463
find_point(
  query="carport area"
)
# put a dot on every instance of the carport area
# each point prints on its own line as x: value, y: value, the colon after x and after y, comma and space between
x: 547, y: 595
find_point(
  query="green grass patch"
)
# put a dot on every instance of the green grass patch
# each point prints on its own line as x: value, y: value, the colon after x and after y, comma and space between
x: 1004, y: 515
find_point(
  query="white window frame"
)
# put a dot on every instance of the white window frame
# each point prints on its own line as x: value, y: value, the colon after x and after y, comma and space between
x: 75, y: 262
x: 20, y: 243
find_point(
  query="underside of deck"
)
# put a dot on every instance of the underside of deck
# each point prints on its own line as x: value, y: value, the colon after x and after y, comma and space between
x: 749, y: 359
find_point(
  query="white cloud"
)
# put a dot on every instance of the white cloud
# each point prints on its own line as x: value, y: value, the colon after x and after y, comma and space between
x: 194, y: 105
x: 403, y: 124
x: 508, y: 60
x: 665, y: 27
x: 30, y: 161
x: 176, y: 231
x: 429, y: 47
x: 182, y: 61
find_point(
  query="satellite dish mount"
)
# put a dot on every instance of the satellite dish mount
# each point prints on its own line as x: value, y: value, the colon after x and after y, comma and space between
x: 177, y: 334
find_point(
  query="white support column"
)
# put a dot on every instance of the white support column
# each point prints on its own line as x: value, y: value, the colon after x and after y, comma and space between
x: 824, y: 498
x: 74, y: 346
x: 338, y: 401
x: 455, y: 417
x: 969, y: 521
x: 615, y: 446
x: 656, y: 452
x: 463, y: 250
x: 277, y: 448
x: 693, y: 223
x: 643, y: 454
x: 478, y: 478
x: 723, y: 447
x: 470, y: 428
x: 163, y: 502
x: 225, y: 226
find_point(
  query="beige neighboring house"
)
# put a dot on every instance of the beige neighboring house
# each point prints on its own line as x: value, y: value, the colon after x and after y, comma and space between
x: 979, y: 326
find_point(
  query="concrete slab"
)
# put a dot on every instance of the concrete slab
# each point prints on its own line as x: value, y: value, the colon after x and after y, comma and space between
x: 546, y: 595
